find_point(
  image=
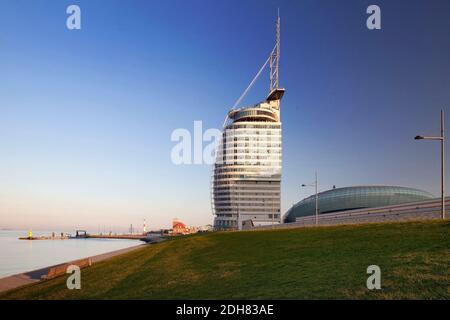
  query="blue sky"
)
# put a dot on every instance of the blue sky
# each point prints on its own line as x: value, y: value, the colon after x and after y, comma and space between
x: 86, y: 115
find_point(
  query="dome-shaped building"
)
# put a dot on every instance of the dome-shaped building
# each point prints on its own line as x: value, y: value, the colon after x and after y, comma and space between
x: 352, y: 198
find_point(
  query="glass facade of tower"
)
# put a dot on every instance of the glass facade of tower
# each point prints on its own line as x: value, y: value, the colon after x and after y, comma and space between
x: 247, y: 174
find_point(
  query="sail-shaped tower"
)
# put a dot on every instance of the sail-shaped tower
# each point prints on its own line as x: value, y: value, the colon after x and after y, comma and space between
x: 246, y: 181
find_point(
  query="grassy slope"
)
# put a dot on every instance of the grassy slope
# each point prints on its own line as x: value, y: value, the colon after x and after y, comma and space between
x: 280, y: 264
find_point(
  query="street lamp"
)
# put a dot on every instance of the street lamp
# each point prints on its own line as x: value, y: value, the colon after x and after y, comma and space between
x: 316, y: 185
x: 238, y: 210
x: 442, y: 139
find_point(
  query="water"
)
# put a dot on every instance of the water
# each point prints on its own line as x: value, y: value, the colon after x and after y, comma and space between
x: 17, y: 256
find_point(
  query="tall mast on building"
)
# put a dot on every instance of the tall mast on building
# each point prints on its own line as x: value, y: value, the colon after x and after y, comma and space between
x: 275, y: 59
x: 237, y: 176
x: 275, y: 92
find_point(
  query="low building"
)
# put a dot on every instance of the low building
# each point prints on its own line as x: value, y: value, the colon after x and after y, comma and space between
x: 179, y: 227
x: 205, y: 228
x: 352, y: 198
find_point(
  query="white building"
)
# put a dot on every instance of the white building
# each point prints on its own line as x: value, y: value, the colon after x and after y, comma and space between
x: 247, y: 173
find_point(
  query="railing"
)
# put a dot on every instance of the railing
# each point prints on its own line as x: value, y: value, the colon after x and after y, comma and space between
x: 423, y: 210
x: 431, y: 206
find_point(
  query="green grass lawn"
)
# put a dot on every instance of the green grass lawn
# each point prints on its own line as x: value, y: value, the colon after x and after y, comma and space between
x: 313, y: 263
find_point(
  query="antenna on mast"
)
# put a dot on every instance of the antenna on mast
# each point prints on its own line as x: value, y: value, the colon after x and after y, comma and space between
x: 275, y: 59
x: 275, y: 93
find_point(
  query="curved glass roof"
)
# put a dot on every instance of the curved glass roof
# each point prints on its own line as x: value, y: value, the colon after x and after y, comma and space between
x: 357, y: 197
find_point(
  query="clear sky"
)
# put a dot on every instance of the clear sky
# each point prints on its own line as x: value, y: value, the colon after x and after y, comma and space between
x: 86, y: 115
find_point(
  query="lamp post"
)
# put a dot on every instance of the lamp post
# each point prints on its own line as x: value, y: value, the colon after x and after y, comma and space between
x: 442, y: 139
x: 238, y: 213
x: 316, y: 185
x: 273, y: 215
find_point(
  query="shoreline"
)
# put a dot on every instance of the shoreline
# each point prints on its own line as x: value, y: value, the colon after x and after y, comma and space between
x: 22, y: 279
x: 334, y: 267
